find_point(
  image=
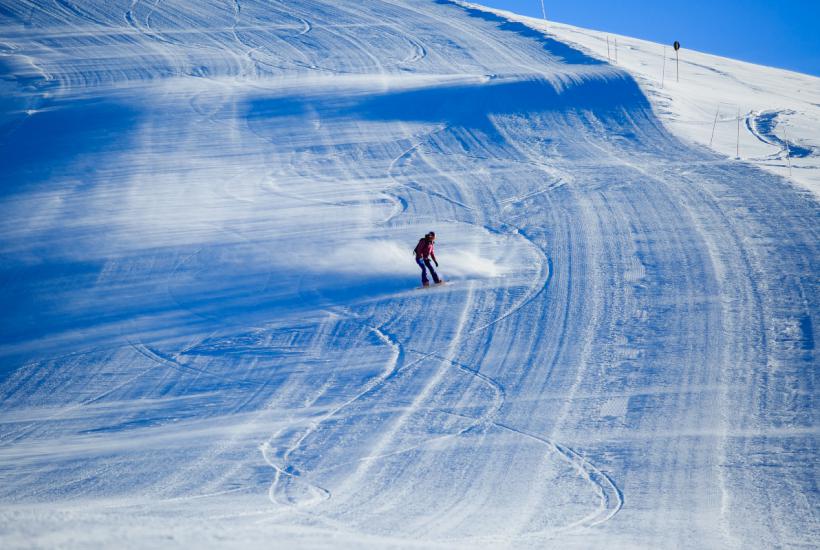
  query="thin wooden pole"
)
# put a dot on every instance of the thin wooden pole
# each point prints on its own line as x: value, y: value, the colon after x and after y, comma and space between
x: 737, y: 151
x: 788, y: 151
x: 713, y: 125
x: 663, y: 71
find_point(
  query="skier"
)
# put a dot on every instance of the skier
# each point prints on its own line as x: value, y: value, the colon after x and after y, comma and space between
x: 424, y: 252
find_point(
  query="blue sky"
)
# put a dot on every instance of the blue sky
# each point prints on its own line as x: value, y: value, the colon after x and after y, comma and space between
x: 776, y: 33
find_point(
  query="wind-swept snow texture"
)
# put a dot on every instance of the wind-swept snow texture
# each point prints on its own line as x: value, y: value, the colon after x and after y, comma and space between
x: 210, y: 333
x: 767, y: 117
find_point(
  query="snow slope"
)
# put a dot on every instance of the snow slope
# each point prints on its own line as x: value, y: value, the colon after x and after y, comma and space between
x: 211, y: 334
x: 764, y: 116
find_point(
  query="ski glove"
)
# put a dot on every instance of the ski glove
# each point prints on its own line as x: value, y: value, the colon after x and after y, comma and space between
x: 436, y: 263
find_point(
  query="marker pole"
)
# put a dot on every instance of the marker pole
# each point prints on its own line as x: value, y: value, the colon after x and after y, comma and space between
x: 663, y: 71
x: 737, y: 150
x: 788, y: 151
x: 713, y: 125
x: 677, y: 67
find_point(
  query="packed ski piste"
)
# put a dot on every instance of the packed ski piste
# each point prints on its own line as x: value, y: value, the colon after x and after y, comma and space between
x: 211, y: 335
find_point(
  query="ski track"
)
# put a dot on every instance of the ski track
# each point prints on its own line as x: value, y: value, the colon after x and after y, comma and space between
x: 211, y: 331
x: 763, y: 125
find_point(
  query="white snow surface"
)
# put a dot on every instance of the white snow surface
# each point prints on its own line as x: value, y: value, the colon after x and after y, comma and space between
x: 211, y: 333
x: 702, y: 97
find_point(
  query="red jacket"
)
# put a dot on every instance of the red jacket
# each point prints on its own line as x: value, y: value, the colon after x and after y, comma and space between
x: 424, y: 249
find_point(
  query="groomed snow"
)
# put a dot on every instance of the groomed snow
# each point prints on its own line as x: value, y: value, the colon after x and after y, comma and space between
x: 702, y: 97
x: 211, y: 333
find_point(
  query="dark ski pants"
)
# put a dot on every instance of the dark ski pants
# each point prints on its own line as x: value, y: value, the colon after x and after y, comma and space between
x: 426, y: 264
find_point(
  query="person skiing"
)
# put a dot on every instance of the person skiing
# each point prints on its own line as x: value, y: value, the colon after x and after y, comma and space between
x: 424, y: 253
